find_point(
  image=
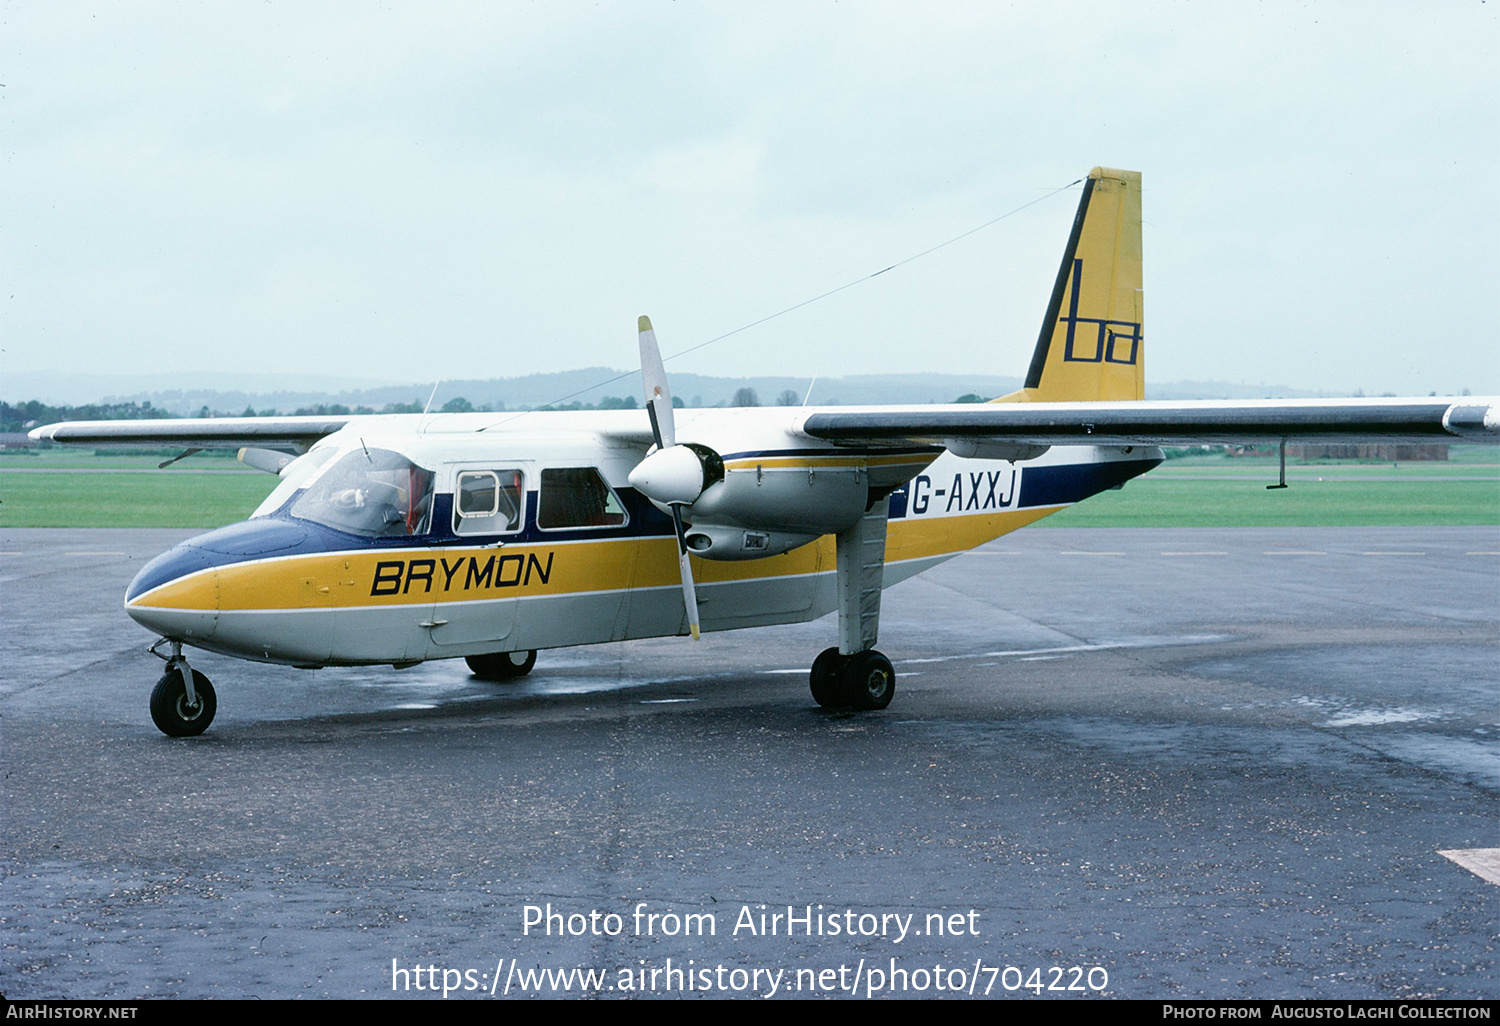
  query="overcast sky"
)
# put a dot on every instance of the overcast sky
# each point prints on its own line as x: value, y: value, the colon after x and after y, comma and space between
x: 409, y: 191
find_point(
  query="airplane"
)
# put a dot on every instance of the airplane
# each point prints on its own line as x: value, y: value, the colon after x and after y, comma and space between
x: 396, y: 539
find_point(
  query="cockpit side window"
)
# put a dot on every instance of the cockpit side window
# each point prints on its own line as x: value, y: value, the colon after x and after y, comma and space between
x: 577, y: 497
x: 294, y: 476
x: 373, y: 492
x: 488, y: 502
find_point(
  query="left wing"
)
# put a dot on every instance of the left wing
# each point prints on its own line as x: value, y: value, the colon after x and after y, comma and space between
x: 1212, y: 422
x: 295, y: 433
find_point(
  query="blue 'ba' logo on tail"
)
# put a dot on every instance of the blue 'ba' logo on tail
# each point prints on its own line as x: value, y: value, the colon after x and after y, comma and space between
x: 1107, y: 339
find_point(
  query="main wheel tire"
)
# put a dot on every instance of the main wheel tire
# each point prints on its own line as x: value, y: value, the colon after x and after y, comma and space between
x: 870, y: 680
x: 501, y: 665
x: 827, y: 689
x: 173, y: 715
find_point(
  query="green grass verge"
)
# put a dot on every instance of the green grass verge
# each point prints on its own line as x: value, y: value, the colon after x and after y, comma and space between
x: 1153, y: 501
x: 156, y: 499
x: 134, y: 459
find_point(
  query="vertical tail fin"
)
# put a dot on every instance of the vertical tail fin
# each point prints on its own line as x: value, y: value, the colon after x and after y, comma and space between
x: 1091, y: 344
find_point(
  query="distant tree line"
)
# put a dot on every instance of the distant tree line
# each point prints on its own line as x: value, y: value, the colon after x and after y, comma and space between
x: 23, y: 416
x: 26, y: 415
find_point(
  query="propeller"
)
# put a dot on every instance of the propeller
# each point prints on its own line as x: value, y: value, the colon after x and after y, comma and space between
x: 672, y: 458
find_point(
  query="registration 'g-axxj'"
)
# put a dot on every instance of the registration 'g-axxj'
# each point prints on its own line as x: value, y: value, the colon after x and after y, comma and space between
x: 402, y: 538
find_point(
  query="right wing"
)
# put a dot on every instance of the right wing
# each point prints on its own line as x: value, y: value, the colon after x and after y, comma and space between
x: 1152, y: 422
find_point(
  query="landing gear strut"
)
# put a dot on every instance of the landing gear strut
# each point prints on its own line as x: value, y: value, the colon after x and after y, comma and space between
x: 183, y: 702
x: 854, y: 674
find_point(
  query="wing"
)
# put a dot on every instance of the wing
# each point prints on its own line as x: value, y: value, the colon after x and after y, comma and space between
x: 1023, y: 424
x: 295, y: 433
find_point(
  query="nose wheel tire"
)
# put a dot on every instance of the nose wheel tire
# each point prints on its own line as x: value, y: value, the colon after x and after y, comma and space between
x: 502, y: 665
x: 174, y: 714
x: 865, y: 680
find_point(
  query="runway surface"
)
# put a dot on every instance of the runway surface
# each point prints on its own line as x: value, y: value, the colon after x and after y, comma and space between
x: 1191, y: 763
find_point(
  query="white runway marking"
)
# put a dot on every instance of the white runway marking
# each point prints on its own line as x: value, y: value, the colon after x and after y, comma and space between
x: 1173, y: 640
x: 1482, y: 862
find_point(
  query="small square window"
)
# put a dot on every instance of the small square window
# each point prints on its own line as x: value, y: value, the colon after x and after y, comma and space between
x: 488, y: 502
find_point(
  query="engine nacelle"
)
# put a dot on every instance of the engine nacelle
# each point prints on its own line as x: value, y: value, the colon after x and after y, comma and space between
x: 712, y: 541
x: 783, y: 494
x: 770, y: 496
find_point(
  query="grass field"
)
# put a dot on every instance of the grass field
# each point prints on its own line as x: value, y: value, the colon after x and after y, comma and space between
x: 1167, y: 502
x: 89, y: 490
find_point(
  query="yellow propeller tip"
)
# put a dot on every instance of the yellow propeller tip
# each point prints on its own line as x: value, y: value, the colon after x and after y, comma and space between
x: 644, y: 323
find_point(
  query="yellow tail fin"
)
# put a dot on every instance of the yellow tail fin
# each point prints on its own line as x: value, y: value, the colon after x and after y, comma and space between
x: 1091, y: 344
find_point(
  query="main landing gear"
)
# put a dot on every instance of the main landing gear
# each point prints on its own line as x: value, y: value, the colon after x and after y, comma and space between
x: 864, y: 680
x: 183, y: 702
x: 501, y: 665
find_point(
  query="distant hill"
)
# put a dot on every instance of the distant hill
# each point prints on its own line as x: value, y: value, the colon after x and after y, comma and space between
x: 185, y: 395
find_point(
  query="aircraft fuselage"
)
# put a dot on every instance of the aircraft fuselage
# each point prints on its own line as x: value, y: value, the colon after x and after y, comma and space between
x: 335, y: 584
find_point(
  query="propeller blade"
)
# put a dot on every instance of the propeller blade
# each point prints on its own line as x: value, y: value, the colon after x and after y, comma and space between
x: 689, y: 592
x: 655, y: 425
x: 664, y: 430
x: 658, y: 394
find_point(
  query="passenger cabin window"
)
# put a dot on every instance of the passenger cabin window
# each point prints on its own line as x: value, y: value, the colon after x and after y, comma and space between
x: 575, y: 497
x: 373, y: 492
x: 488, y: 502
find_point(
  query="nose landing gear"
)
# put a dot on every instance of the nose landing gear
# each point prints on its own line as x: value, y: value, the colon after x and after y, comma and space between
x: 183, y: 702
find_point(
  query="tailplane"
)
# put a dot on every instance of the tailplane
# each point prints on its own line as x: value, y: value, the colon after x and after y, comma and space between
x: 1091, y: 345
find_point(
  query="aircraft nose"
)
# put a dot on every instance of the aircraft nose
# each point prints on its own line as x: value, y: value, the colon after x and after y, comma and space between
x: 177, y: 593
x: 171, y: 566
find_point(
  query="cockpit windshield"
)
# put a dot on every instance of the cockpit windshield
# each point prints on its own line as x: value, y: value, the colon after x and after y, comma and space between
x: 376, y: 492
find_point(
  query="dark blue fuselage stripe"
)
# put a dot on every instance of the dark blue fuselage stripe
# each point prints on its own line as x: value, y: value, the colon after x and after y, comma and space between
x: 1057, y: 486
x: 281, y: 534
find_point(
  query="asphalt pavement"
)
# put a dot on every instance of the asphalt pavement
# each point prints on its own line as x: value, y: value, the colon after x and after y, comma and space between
x: 1122, y: 763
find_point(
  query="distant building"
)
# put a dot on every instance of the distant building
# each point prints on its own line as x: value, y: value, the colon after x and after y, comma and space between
x: 16, y: 440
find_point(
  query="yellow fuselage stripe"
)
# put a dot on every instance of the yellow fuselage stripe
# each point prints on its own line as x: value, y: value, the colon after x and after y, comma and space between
x: 418, y: 576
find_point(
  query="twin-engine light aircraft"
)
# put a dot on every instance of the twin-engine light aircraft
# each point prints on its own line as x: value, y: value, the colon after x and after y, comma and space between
x: 402, y: 538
